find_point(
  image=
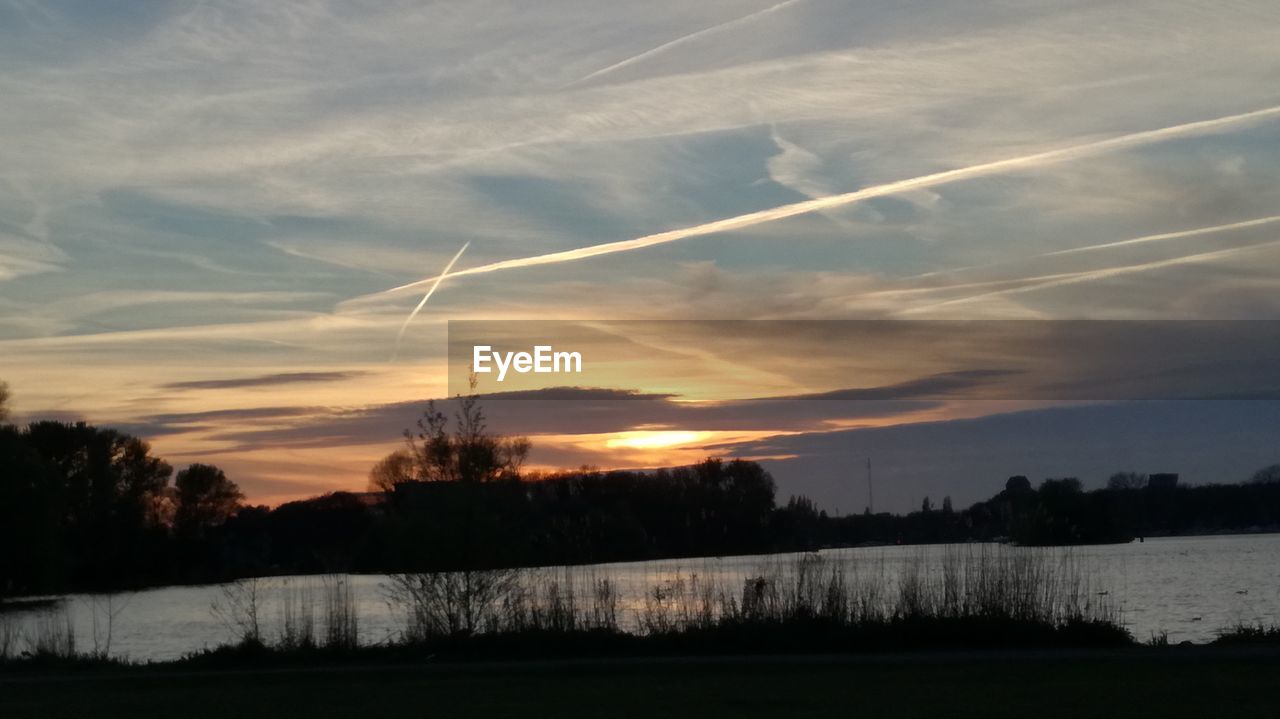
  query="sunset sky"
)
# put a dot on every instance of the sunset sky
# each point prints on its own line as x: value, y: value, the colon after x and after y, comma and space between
x: 206, y: 208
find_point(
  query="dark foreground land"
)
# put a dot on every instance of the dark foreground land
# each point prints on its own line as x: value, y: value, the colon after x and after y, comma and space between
x: 1148, y: 682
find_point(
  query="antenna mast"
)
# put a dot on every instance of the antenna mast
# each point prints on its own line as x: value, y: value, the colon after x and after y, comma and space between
x: 871, y: 502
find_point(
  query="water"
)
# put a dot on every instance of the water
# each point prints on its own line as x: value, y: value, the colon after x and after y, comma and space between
x: 1189, y: 587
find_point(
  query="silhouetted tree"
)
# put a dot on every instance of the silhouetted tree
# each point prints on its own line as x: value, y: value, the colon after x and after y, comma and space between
x: 470, y: 453
x: 4, y: 402
x: 1017, y: 483
x: 1126, y: 480
x: 91, y: 509
x: 32, y: 555
x: 205, y: 498
x: 926, y: 506
x: 395, y: 468
x: 103, y: 486
x: 465, y: 505
x: 1267, y: 475
x: 329, y: 533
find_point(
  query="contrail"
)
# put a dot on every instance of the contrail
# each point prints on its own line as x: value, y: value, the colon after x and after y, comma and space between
x: 1091, y: 275
x: 1179, y: 234
x: 680, y: 41
x: 1038, y: 159
x: 426, y: 297
x: 1169, y: 236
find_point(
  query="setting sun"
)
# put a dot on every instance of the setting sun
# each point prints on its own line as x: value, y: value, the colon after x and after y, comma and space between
x: 654, y: 439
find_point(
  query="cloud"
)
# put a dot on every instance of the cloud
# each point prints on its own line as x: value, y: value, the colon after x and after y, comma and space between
x: 1006, y: 165
x: 1036, y: 284
x: 686, y: 39
x: 234, y: 415
x: 568, y: 411
x: 262, y: 380
x: 196, y: 186
x: 21, y: 255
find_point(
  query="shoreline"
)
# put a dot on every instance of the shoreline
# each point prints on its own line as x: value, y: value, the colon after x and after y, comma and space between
x: 53, y: 599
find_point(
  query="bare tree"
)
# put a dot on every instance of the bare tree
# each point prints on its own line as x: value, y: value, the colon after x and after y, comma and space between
x: 470, y: 453
x: 238, y: 608
x: 434, y: 453
x: 103, y: 612
x: 1267, y: 475
x: 394, y: 469
x: 467, y: 456
x: 443, y: 604
x: 1127, y: 480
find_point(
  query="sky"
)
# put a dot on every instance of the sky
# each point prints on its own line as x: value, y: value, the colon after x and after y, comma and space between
x: 216, y: 216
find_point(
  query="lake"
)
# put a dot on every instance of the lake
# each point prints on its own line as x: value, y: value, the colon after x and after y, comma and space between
x: 1189, y: 587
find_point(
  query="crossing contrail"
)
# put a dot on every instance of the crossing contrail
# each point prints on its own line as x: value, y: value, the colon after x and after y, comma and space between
x: 1038, y: 159
x: 416, y: 310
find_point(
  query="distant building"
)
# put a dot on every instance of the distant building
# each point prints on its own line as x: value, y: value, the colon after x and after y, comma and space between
x: 1167, y: 480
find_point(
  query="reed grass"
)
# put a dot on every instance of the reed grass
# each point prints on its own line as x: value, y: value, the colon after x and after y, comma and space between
x: 9, y: 636
x: 297, y: 629
x: 239, y: 607
x: 51, y: 635
x: 449, y: 604
x: 1242, y: 633
x: 341, y: 620
x: 956, y: 597
x: 960, y: 590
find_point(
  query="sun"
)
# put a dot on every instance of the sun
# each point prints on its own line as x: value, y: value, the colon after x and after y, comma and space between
x: 643, y: 439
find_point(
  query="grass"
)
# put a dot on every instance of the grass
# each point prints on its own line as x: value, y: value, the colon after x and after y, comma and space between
x: 51, y: 635
x: 1131, y: 683
x: 240, y: 609
x: 1250, y: 634
x: 807, y: 638
x: 964, y: 596
x: 960, y: 598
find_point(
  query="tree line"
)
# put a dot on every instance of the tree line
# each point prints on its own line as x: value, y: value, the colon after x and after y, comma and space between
x: 1057, y: 512
x: 87, y: 508
x: 90, y: 508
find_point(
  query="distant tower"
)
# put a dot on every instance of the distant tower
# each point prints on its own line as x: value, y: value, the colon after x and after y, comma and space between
x: 871, y: 500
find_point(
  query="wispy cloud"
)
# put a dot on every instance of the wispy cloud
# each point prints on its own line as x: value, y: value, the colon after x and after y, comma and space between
x: 263, y: 380
x: 1143, y: 240
x: 1036, y: 284
x: 684, y: 40
x: 190, y: 189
